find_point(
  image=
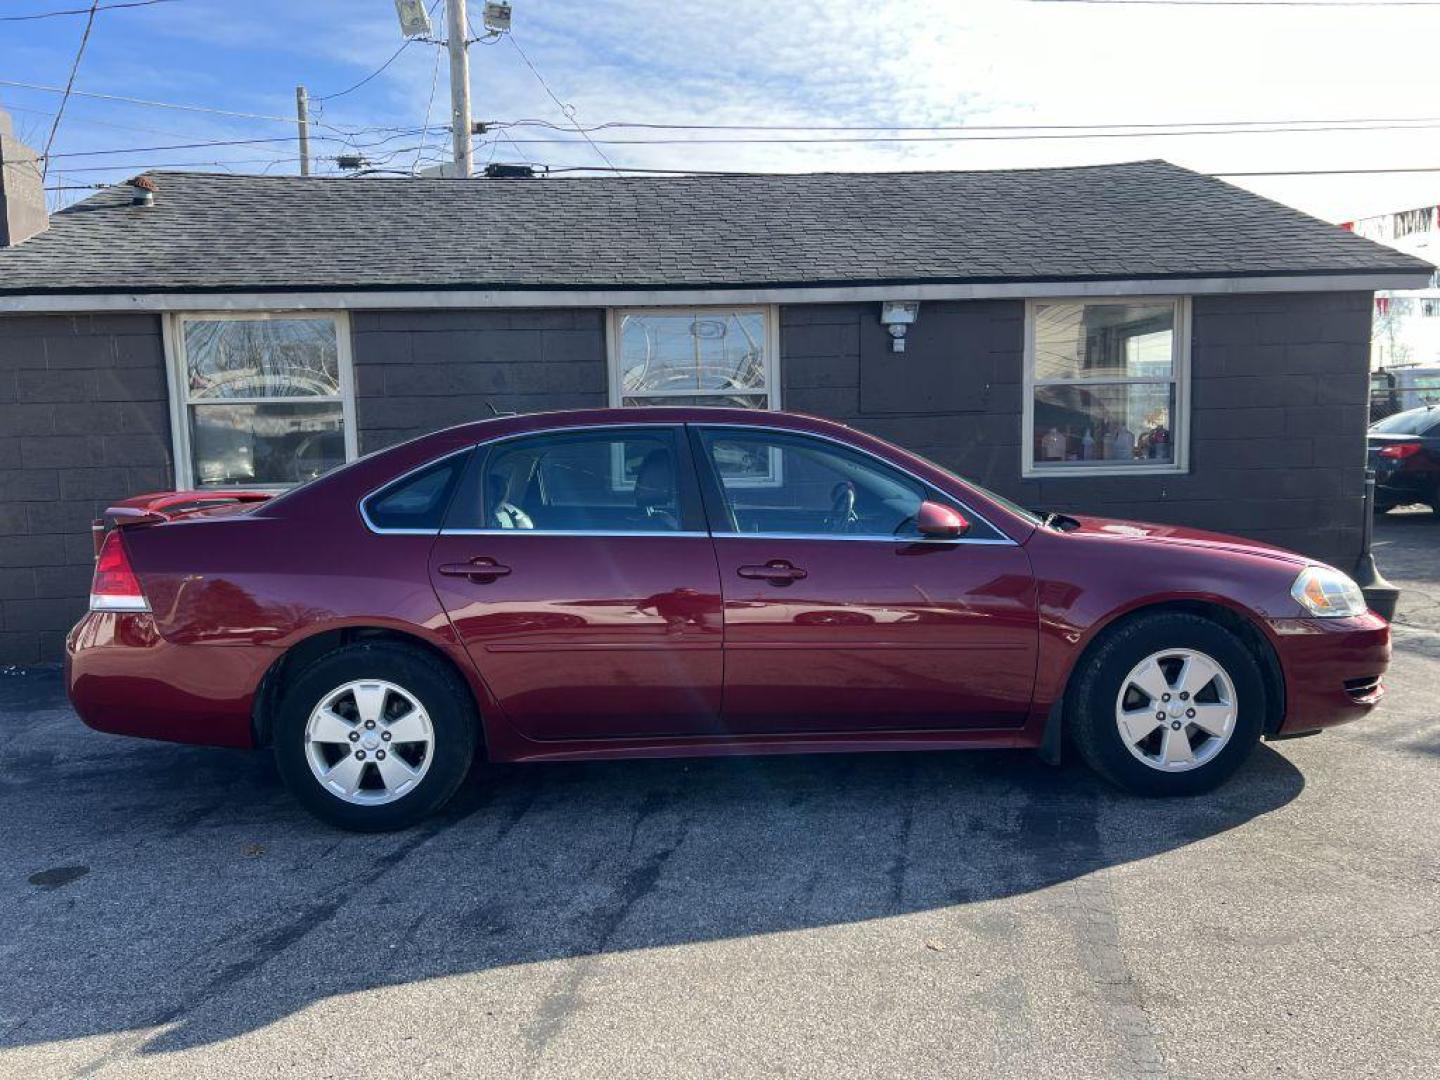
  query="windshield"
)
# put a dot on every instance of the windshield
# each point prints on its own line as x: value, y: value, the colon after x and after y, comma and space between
x: 1000, y: 500
x: 1413, y: 422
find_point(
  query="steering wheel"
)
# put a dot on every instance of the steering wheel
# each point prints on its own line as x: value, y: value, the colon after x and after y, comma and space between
x: 842, y: 517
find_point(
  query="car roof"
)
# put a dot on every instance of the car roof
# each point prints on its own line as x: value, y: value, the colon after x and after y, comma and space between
x: 631, y: 415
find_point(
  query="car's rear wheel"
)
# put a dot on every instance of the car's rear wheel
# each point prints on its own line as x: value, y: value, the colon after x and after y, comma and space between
x: 1168, y: 704
x: 375, y: 736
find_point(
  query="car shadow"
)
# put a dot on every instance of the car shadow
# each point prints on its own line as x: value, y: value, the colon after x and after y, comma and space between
x: 179, y: 895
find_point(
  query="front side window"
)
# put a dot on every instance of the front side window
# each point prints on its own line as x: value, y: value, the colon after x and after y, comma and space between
x: 263, y: 400
x: 612, y: 481
x: 823, y: 489
x: 1106, y: 386
x: 694, y: 356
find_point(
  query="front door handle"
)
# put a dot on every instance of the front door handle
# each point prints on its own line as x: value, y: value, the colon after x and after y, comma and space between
x: 776, y: 571
x: 480, y: 569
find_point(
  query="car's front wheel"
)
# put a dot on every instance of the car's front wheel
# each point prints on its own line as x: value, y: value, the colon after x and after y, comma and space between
x: 375, y: 736
x: 1168, y: 704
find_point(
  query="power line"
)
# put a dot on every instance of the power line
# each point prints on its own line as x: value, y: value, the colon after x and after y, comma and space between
x: 618, y: 124
x: 182, y: 107
x: 82, y: 11
x: 425, y: 127
x: 1254, y: 3
x: 1029, y: 137
x: 393, y: 57
x: 69, y: 86
x: 568, y: 111
x: 1331, y: 172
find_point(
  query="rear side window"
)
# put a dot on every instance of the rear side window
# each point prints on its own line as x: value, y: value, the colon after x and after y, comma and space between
x: 417, y: 501
x: 624, y: 480
x: 1414, y: 422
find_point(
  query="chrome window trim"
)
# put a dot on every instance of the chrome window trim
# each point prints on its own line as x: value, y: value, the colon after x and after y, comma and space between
x: 365, y: 514
x: 926, y: 484
x: 874, y: 538
x: 569, y: 532
x: 1000, y: 541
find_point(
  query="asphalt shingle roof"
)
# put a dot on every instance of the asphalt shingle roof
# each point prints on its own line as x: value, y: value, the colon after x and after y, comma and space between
x: 1147, y: 219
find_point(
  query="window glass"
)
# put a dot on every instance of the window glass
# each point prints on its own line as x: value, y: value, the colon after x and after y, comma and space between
x: 705, y: 356
x: 1106, y: 385
x: 264, y: 443
x: 417, y: 501
x: 262, y: 399
x: 1103, y: 341
x: 820, y: 488
x: 610, y: 481
x: 1414, y: 422
x: 250, y: 358
x: 1101, y: 424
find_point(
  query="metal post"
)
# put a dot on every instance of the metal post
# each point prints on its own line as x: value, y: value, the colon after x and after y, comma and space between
x: 302, y: 117
x: 456, y: 29
x: 1379, y: 593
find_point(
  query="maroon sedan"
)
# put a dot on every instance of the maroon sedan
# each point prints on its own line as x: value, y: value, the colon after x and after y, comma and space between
x: 674, y: 582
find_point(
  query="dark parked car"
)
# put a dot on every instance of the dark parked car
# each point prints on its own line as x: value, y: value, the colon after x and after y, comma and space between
x: 1405, y: 454
x: 670, y: 582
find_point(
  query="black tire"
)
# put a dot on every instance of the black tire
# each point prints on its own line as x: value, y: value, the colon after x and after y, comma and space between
x: 433, y: 683
x: 1091, y: 702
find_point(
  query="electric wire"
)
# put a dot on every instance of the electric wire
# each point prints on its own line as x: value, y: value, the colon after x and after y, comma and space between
x: 82, y: 11
x: 69, y: 86
x: 566, y: 110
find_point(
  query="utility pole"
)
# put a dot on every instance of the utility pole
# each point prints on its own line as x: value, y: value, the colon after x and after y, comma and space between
x: 302, y: 116
x: 456, y: 29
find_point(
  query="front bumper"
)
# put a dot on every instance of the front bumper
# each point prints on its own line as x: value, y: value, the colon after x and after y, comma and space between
x: 1333, y: 669
x: 125, y: 679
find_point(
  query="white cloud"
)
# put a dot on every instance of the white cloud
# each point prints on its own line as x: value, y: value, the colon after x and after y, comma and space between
x: 873, y: 62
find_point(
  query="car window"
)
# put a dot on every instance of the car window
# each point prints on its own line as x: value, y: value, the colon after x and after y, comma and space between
x: 624, y: 480
x: 1412, y: 422
x: 780, y: 483
x: 417, y: 500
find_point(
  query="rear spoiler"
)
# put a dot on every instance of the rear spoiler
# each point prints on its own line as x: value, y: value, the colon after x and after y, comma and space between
x: 161, y: 506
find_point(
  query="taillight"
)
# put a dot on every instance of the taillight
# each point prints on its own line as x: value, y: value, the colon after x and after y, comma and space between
x: 1400, y: 451
x: 115, y: 588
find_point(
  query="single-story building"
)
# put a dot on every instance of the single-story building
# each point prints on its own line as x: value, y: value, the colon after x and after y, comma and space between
x: 1135, y: 340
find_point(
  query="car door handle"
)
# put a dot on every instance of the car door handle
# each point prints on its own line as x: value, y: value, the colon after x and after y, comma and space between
x: 776, y: 571
x: 478, y: 569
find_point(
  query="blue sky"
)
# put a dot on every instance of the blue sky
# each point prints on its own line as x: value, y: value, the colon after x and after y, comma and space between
x: 845, y: 62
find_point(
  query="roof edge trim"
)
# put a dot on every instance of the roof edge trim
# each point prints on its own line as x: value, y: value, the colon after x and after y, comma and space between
x: 389, y: 298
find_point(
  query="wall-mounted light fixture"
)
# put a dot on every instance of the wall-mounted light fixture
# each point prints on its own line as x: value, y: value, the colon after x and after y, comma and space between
x: 896, y: 316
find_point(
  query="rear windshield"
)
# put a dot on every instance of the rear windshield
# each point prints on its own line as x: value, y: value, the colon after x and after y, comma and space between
x: 1413, y: 422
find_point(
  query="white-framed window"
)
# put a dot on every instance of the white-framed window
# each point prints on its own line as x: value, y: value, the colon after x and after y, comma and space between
x: 1107, y: 386
x: 695, y: 356
x: 259, y: 400
x: 707, y: 356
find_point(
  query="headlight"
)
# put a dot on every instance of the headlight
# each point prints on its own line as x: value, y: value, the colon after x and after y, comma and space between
x: 1325, y: 591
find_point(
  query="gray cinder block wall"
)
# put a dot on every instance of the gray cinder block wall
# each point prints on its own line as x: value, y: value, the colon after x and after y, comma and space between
x: 1279, y: 407
x: 416, y: 371
x: 84, y: 420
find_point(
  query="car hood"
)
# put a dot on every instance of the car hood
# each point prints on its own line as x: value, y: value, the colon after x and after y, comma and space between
x: 1146, y: 532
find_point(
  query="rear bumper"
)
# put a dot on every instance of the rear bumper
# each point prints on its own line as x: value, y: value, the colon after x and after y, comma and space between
x: 1333, y: 669
x: 125, y: 679
x: 1398, y: 487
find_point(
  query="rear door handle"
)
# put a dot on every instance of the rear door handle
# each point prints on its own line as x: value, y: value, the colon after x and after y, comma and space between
x: 477, y: 569
x: 776, y: 571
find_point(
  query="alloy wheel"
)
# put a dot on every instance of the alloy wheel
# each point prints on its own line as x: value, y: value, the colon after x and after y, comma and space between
x: 369, y: 742
x: 1176, y: 710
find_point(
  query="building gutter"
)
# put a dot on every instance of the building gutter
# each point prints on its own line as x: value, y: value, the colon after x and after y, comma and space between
x: 419, y: 298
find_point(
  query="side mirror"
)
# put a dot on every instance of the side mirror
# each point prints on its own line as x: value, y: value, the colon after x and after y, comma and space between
x: 940, y: 522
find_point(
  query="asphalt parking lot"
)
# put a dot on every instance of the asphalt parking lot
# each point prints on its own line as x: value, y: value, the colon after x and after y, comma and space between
x: 170, y: 912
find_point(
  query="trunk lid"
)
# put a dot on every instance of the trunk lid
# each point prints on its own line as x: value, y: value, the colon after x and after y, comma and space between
x: 158, y: 507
